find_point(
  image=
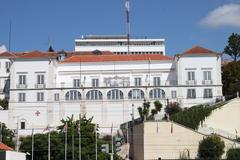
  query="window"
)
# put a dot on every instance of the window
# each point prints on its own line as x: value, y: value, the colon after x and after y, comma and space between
x: 76, y: 83
x: 73, y: 95
x: 95, y: 82
x: 137, y: 82
x: 136, y: 94
x: 174, y: 94
x: 115, y: 94
x: 7, y: 66
x: 94, y: 95
x: 40, y: 79
x: 191, y: 76
x: 157, y: 93
x: 56, y: 97
x: 191, y: 93
x: 207, y: 93
x: 23, y: 125
x: 21, y: 97
x: 156, y: 81
x: 207, y: 75
x: 22, y: 79
x: 40, y: 96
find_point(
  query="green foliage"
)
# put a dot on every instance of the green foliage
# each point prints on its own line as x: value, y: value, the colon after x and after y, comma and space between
x: 172, y: 108
x: 50, y: 49
x: 233, y: 154
x: 231, y: 78
x: 233, y: 47
x: 192, y: 117
x: 58, y: 139
x: 4, y: 103
x: 211, y: 148
x: 158, y: 107
x: 144, y: 110
x: 7, y: 136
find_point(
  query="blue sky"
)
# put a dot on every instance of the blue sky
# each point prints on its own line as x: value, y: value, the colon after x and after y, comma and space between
x: 183, y: 23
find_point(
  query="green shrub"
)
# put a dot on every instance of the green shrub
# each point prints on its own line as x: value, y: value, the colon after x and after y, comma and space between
x: 233, y: 154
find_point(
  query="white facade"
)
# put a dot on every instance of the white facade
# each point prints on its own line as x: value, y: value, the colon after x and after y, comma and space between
x: 167, y: 140
x: 119, y: 45
x: 44, y: 90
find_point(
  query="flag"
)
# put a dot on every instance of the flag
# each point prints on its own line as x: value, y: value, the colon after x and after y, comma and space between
x: 47, y: 128
x: 65, y: 127
x: 127, y: 7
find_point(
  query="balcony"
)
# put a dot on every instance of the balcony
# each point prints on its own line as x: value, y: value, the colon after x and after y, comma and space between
x: 21, y: 86
x: 191, y: 82
x: 207, y: 82
x: 40, y: 85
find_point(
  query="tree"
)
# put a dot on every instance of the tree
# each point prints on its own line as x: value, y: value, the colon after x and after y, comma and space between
x: 231, y: 78
x: 172, y: 108
x: 158, y: 107
x: 233, y: 47
x: 4, y: 104
x: 7, y: 136
x: 144, y: 110
x: 50, y: 49
x: 233, y: 154
x: 211, y: 148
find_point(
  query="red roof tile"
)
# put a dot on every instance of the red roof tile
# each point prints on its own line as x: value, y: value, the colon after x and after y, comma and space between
x: 109, y: 58
x: 37, y: 54
x: 6, y: 54
x: 5, y: 147
x: 198, y: 50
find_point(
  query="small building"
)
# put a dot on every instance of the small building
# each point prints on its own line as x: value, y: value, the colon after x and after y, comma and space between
x: 7, y: 153
x: 167, y: 140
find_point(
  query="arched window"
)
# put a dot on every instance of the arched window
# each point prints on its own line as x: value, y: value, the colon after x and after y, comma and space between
x: 136, y: 94
x: 73, y: 95
x: 157, y: 93
x: 115, y: 94
x: 94, y: 94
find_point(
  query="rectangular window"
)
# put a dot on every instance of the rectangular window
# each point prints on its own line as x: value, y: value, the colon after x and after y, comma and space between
x: 95, y: 82
x: 40, y: 96
x: 21, y: 97
x: 23, y: 125
x: 191, y: 76
x: 7, y: 66
x: 22, y: 79
x: 207, y: 75
x: 137, y: 82
x: 156, y: 81
x: 76, y: 83
x: 56, y: 97
x: 40, y: 79
x: 207, y: 93
x: 174, y: 94
x: 191, y: 93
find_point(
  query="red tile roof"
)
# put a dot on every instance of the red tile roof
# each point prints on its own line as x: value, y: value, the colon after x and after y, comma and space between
x: 109, y: 58
x: 6, y: 54
x: 37, y: 54
x: 5, y: 147
x: 198, y: 50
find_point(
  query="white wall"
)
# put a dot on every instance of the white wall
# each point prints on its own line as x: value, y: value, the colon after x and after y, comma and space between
x: 11, y: 155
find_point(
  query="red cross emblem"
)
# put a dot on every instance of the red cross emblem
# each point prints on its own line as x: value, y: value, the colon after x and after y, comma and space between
x: 37, y: 113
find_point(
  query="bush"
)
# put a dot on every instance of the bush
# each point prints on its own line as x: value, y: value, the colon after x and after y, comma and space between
x: 211, y: 148
x: 172, y: 108
x: 233, y: 154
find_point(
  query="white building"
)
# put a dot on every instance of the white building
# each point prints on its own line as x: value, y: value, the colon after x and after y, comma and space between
x: 168, y: 140
x: 119, y: 45
x: 46, y: 87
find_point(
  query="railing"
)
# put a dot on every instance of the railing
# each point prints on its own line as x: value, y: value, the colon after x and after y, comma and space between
x: 21, y: 86
x: 207, y: 82
x: 191, y: 82
x: 40, y: 85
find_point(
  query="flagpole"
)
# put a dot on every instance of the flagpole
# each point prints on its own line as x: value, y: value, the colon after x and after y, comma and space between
x: 32, y: 143
x: 112, y: 142
x: 79, y: 134
x: 66, y: 128
x: 49, y: 144
x: 96, y: 140
x: 72, y: 142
